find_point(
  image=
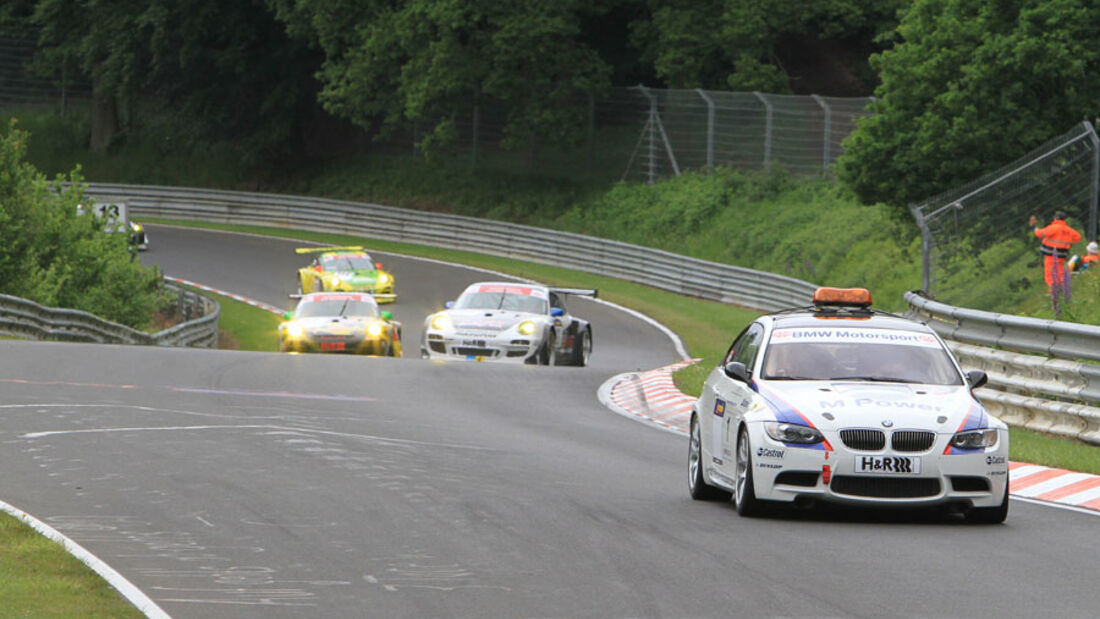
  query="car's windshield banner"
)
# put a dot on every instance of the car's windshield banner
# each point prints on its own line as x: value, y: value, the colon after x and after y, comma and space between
x: 848, y: 335
x: 521, y: 290
x: 338, y: 297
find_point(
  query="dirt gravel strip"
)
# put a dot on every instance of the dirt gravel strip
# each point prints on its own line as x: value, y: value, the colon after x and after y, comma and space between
x: 653, y: 398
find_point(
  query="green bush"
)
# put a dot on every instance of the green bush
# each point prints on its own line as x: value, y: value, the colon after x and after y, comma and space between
x: 57, y: 258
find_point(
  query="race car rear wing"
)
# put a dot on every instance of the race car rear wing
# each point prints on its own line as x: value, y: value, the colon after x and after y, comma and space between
x: 584, y: 292
x: 316, y: 250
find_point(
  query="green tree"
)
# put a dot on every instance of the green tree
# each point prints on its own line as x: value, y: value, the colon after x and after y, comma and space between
x: 52, y: 256
x: 103, y: 42
x: 225, y: 68
x: 753, y: 44
x: 389, y: 63
x: 970, y: 86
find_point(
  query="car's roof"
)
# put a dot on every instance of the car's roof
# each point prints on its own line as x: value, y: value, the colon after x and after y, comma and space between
x: 870, y: 320
x: 346, y: 252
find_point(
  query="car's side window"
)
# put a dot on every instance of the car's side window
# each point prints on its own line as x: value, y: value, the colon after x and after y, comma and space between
x: 556, y: 301
x: 747, y: 342
x: 746, y: 346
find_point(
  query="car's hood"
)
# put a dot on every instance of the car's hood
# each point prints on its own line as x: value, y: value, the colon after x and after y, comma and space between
x: 327, y: 324
x: 487, y: 320
x: 832, y: 405
x: 359, y: 276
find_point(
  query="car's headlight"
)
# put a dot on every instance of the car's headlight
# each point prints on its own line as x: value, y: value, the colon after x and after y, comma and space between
x: 383, y: 278
x: 793, y: 433
x: 334, y: 280
x: 527, y: 327
x: 441, y: 322
x: 975, y: 439
x: 374, y: 329
x: 294, y: 330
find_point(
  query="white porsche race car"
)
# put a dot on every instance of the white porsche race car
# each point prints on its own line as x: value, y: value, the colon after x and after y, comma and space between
x: 504, y: 321
x: 842, y: 403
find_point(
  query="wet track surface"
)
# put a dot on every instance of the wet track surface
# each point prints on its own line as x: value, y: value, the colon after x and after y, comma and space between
x: 236, y: 484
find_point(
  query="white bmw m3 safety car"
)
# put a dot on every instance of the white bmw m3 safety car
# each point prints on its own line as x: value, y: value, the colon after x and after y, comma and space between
x: 501, y: 321
x: 842, y: 403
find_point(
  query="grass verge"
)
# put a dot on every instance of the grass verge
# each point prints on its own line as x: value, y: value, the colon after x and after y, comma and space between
x: 38, y: 578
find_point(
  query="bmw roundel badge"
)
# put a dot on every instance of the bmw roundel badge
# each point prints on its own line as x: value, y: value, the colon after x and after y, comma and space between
x: 886, y: 423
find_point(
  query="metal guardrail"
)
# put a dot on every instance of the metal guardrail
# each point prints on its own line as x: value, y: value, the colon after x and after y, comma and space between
x: 659, y: 269
x: 29, y: 320
x: 1024, y: 391
x: 1056, y: 393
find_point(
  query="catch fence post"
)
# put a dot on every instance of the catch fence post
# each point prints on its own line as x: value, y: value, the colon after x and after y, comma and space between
x: 768, y: 120
x: 826, y: 155
x: 710, y: 126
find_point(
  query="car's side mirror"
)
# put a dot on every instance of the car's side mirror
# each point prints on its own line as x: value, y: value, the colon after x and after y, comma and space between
x: 557, y: 311
x: 287, y: 315
x: 378, y: 265
x: 737, y: 371
x: 387, y: 316
x: 449, y: 304
x: 977, y: 378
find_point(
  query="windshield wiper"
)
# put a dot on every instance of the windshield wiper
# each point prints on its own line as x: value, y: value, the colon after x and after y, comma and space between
x: 879, y: 379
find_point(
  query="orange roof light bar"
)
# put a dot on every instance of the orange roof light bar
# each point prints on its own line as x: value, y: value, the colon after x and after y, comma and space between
x: 860, y: 297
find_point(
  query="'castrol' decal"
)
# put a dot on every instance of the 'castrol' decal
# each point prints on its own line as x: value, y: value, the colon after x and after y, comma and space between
x: 849, y: 335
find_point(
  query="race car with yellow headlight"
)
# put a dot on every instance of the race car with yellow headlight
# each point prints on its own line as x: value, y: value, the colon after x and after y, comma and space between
x: 502, y: 321
x: 340, y: 322
x: 344, y: 269
x: 843, y: 403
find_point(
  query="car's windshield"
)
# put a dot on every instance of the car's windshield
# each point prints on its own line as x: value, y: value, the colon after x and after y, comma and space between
x: 518, y: 300
x: 347, y: 262
x: 337, y: 307
x: 882, y: 355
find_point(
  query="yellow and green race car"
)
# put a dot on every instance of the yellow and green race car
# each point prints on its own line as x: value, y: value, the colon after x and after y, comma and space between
x: 340, y: 322
x: 344, y: 269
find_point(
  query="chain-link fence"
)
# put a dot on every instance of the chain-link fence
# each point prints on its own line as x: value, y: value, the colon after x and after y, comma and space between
x: 21, y: 86
x: 645, y: 134
x: 1059, y: 175
x: 638, y: 133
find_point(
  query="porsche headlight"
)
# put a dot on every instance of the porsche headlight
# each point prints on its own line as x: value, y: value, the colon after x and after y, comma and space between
x: 793, y: 433
x: 294, y: 330
x: 527, y: 327
x: 334, y: 280
x: 441, y: 322
x: 975, y: 439
x: 383, y: 278
x: 374, y: 329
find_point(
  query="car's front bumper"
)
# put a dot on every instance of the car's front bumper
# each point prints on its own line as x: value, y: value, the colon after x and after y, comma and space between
x: 788, y: 473
x: 481, y: 347
x: 353, y: 344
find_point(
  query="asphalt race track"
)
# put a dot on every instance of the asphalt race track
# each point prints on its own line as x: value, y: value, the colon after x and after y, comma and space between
x: 231, y: 484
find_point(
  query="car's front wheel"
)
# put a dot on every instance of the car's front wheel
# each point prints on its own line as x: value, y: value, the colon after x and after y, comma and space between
x: 548, y: 354
x: 745, y: 497
x: 697, y: 485
x: 989, y: 515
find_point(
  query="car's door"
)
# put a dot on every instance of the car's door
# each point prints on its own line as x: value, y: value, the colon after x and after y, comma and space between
x: 732, y: 396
